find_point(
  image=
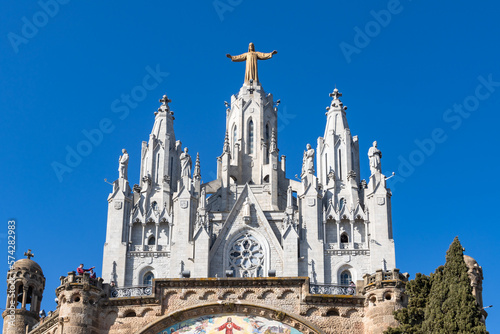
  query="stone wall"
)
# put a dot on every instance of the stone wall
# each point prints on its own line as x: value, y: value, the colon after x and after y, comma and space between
x: 287, y: 300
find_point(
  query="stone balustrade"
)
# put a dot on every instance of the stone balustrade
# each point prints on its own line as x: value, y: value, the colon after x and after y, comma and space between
x: 74, y: 278
x: 384, y: 278
x: 132, y: 291
x: 331, y: 289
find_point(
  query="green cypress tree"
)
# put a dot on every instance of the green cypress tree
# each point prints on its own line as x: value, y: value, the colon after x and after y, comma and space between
x: 411, y: 318
x: 451, y: 307
x: 443, y: 303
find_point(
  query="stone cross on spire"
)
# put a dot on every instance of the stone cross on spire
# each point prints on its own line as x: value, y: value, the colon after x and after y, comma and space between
x: 336, y: 101
x: 29, y: 254
x: 165, y: 107
x: 165, y: 100
x: 335, y: 94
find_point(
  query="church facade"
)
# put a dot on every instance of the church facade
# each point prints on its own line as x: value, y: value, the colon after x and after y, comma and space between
x: 252, y: 220
x: 251, y: 250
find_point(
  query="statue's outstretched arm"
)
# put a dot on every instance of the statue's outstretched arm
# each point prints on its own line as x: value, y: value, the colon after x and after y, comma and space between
x: 241, y: 57
x: 263, y: 56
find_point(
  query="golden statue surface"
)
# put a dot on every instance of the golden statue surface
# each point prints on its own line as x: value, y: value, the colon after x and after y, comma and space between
x: 251, y: 58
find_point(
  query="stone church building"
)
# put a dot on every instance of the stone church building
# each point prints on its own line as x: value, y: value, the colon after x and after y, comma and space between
x: 250, y: 251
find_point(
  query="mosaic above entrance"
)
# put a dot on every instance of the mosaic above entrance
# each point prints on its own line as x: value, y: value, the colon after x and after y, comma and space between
x: 230, y: 324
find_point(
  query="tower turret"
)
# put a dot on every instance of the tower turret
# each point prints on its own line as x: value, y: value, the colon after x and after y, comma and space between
x: 384, y: 294
x: 140, y: 222
x: 25, y: 285
x: 78, y: 303
x: 338, y: 156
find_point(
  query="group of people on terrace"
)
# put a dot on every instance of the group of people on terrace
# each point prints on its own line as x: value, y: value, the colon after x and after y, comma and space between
x: 80, y: 270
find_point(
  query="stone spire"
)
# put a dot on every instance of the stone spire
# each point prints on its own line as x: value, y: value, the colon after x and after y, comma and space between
x: 226, y: 148
x: 274, y: 145
x: 338, y: 152
x: 197, y: 170
x: 250, y: 118
x: 151, y: 201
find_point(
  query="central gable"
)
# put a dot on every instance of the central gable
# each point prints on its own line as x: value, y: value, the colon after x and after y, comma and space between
x: 246, y: 240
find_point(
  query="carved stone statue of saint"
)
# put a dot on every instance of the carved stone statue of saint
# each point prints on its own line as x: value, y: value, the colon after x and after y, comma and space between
x: 308, y: 160
x: 375, y: 155
x: 289, y: 197
x: 203, y: 198
x: 246, y: 208
x: 185, y: 163
x: 251, y: 58
x: 123, y: 167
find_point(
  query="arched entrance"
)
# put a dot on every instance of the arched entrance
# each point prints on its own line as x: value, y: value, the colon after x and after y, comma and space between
x: 229, y: 318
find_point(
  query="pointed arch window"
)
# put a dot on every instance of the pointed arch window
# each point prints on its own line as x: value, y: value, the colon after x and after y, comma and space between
x: 266, y: 157
x: 250, y: 137
x: 341, y: 204
x: 345, y: 278
x: 151, y: 240
x: 340, y: 164
x: 235, y: 135
x: 148, y: 278
x: 344, y: 238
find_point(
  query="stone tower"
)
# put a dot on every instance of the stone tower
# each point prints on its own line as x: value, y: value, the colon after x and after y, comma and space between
x: 384, y: 294
x: 78, y: 299
x: 139, y: 229
x: 25, y: 285
x: 356, y: 217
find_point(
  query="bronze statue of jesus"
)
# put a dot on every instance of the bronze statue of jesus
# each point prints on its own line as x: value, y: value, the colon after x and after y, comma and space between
x: 251, y: 58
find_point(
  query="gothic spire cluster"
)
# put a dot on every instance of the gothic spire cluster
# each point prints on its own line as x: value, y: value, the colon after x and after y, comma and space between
x: 174, y: 223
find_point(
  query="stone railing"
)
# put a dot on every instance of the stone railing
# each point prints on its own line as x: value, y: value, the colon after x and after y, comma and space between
x: 330, y: 289
x: 146, y: 248
x: 355, y: 245
x: 381, y: 278
x: 46, y: 323
x: 132, y: 291
x: 73, y: 278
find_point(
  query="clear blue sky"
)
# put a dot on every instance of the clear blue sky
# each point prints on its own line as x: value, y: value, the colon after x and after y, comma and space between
x: 422, y: 78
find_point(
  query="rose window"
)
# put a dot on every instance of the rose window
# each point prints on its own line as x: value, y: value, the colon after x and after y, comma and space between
x: 246, y: 257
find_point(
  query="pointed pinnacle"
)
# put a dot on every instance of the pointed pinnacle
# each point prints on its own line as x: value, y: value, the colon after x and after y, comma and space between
x: 274, y: 144
x: 226, y: 143
x: 197, y: 169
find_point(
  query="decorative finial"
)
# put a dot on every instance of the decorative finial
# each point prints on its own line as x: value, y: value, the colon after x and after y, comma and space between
x: 29, y: 254
x: 336, y: 103
x: 165, y: 100
x: 274, y: 144
x: 335, y: 94
x: 197, y: 169
x: 226, y: 144
x: 165, y: 107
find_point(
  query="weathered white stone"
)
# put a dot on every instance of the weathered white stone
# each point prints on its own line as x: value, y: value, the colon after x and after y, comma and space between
x: 334, y: 228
